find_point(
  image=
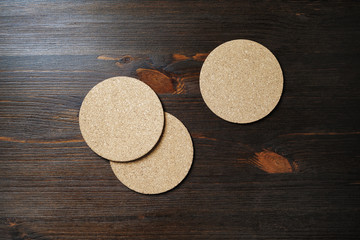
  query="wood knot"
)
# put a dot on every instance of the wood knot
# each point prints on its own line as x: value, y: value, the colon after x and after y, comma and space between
x: 126, y: 59
x: 157, y: 80
x: 272, y: 162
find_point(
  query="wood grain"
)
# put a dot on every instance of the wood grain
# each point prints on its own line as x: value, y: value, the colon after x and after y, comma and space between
x: 293, y: 175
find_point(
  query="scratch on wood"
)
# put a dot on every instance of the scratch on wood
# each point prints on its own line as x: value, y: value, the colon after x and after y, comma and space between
x: 201, y: 136
x: 121, y: 60
x: 157, y: 80
x: 271, y: 162
x: 10, y: 139
x: 197, y: 57
x: 108, y: 58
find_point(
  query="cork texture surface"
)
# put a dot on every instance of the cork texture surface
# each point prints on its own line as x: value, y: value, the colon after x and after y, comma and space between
x: 241, y: 81
x: 165, y: 166
x: 121, y: 119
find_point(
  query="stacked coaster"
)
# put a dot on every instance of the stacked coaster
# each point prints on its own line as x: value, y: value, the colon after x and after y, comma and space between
x: 122, y: 120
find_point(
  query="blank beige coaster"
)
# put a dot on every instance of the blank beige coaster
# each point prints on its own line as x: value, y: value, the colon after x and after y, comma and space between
x: 121, y: 119
x: 165, y: 166
x: 241, y: 81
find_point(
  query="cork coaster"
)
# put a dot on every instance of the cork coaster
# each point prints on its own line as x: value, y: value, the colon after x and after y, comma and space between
x: 241, y: 81
x: 164, y: 167
x: 121, y: 119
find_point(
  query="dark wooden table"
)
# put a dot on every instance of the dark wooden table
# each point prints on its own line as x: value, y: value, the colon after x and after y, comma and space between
x: 293, y: 175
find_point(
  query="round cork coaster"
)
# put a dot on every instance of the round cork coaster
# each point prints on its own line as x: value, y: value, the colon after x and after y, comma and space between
x: 241, y: 81
x: 165, y: 166
x: 121, y: 119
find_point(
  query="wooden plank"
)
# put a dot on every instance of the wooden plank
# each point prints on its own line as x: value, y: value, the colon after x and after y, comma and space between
x: 292, y: 175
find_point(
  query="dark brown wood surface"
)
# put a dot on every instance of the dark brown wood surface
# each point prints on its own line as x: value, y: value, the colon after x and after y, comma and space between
x: 292, y: 175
